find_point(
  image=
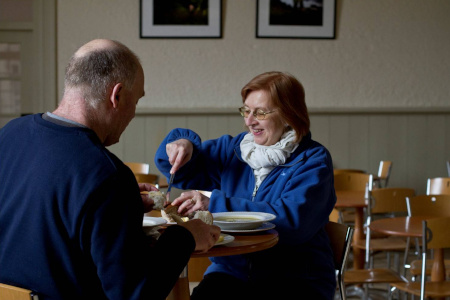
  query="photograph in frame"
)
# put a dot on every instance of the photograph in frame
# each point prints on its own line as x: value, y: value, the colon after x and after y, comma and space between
x: 181, y: 19
x: 307, y: 19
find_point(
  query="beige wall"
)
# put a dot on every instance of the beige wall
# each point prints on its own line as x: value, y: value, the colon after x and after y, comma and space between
x: 387, y: 54
x: 377, y: 92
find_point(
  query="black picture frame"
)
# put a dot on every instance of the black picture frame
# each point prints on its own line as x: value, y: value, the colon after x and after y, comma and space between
x: 284, y: 19
x: 170, y: 19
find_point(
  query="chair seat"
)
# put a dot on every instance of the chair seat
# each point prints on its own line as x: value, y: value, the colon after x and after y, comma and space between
x: 382, y: 244
x: 432, y: 289
x: 372, y: 276
x: 416, y: 267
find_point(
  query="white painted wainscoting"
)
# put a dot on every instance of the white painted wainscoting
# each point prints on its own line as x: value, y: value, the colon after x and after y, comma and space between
x: 418, y: 143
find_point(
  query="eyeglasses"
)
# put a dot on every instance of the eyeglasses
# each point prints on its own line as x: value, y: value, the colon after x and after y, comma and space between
x: 259, y: 114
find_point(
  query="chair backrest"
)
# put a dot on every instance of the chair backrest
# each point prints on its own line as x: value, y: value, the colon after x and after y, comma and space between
x: 352, y: 181
x: 434, y: 236
x: 147, y: 178
x: 340, y: 236
x: 334, y: 215
x: 9, y: 292
x: 389, y: 200
x: 429, y: 205
x: 339, y: 171
x: 138, y: 168
x: 384, y: 170
x: 438, y: 186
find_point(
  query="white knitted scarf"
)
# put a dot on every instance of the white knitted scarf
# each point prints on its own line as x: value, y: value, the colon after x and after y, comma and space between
x: 263, y: 159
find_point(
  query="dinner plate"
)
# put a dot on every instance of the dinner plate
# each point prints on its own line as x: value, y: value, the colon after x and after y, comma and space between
x: 241, y: 220
x: 265, y: 226
x: 226, y: 239
x: 153, y: 221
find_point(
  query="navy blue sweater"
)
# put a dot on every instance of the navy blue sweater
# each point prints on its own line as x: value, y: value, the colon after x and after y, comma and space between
x: 71, y: 219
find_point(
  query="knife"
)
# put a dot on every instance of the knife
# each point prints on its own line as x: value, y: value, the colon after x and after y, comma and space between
x: 169, y: 188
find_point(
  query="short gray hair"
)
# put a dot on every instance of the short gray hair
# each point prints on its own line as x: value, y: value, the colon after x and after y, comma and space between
x: 96, y: 72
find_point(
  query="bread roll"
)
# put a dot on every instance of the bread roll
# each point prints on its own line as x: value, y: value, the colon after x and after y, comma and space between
x: 158, y: 198
x: 205, y: 216
x: 171, y: 215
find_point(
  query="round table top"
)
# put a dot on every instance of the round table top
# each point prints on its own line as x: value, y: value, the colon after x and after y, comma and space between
x: 399, y: 226
x: 350, y: 199
x: 243, y: 243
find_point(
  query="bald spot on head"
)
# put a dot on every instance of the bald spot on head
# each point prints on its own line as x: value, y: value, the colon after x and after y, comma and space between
x: 98, y: 44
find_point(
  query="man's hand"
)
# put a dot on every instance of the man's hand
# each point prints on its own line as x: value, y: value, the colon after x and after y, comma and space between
x: 148, y: 203
x: 205, y: 235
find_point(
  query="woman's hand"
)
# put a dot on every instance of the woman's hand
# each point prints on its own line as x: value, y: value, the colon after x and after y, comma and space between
x: 179, y: 153
x: 148, y: 203
x: 190, y: 202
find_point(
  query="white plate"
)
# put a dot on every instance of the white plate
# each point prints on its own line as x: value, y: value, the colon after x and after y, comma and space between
x: 153, y: 221
x: 265, y: 226
x: 226, y: 239
x: 241, y: 220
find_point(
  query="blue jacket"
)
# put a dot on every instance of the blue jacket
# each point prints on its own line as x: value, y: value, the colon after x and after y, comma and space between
x: 300, y: 193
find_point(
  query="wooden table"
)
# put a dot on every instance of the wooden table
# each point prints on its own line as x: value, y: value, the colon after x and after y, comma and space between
x: 356, y: 200
x: 242, y: 244
x: 411, y: 227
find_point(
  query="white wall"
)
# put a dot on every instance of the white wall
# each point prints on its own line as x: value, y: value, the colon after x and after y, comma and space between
x: 379, y: 91
x: 388, y: 54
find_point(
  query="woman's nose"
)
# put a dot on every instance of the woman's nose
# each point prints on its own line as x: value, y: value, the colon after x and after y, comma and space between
x: 250, y: 120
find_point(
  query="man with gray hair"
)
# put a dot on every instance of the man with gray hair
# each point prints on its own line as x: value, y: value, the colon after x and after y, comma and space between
x: 70, y: 211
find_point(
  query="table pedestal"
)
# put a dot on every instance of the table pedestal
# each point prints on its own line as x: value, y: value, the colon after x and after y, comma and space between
x: 181, y: 289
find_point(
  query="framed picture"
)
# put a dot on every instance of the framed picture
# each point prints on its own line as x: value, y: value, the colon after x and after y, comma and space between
x: 306, y: 19
x: 181, y: 19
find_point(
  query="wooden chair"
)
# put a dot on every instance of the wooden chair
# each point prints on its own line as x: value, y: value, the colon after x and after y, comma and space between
x: 9, y: 292
x: 428, y: 205
x: 142, y: 173
x: 384, y: 172
x: 340, y: 236
x: 351, y: 181
x: 334, y: 215
x: 339, y: 171
x: 433, y: 206
x: 438, y: 186
x: 383, y: 201
x: 147, y: 178
x: 138, y: 168
x: 435, y: 236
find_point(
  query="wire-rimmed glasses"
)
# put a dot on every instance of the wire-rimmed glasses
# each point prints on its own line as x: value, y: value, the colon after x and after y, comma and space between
x: 258, y: 114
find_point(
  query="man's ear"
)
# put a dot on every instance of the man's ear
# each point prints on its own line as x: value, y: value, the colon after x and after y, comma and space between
x: 116, y: 94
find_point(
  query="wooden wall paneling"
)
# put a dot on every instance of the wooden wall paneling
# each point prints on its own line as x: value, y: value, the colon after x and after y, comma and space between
x: 398, y: 149
x: 378, y: 141
x: 339, y: 146
x: 320, y: 129
x: 436, y: 152
x: 417, y: 143
x: 155, y: 132
x: 359, y: 142
x: 447, y: 143
x: 175, y: 121
x: 217, y: 126
x: 418, y: 154
x: 236, y: 124
x: 199, y: 124
x: 134, y: 141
